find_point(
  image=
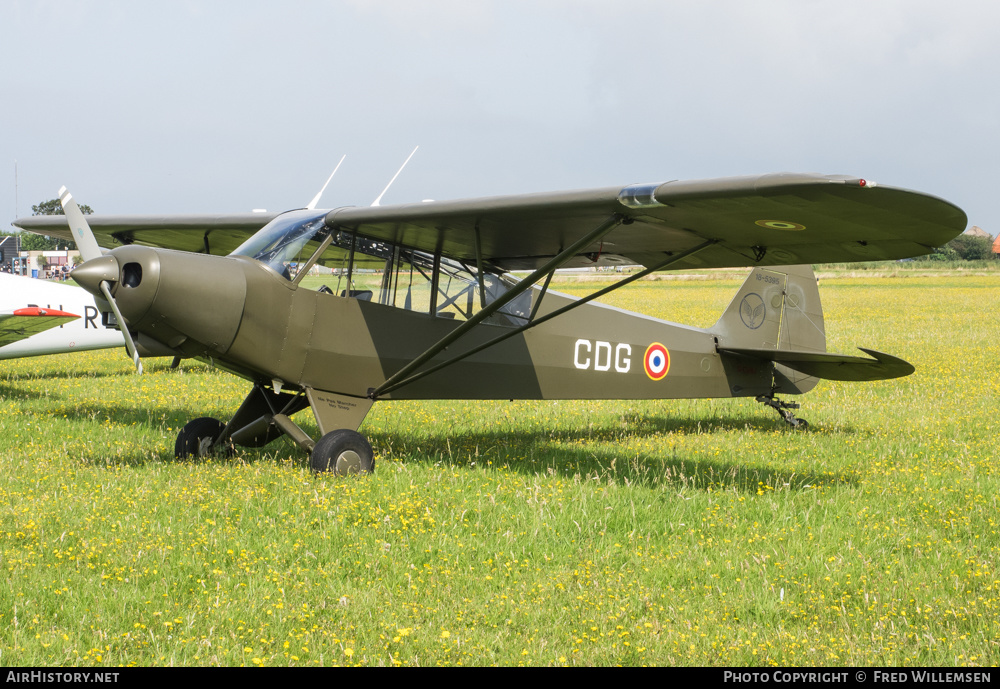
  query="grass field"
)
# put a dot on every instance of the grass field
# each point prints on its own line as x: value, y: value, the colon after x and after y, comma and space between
x: 589, y: 533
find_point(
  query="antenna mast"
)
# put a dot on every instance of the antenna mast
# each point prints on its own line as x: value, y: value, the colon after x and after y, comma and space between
x: 376, y: 201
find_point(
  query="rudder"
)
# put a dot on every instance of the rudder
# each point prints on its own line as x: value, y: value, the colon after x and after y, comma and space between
x: 776, y: 308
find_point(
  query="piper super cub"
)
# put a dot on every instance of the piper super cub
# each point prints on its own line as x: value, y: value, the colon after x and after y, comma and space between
x: 421, y: 301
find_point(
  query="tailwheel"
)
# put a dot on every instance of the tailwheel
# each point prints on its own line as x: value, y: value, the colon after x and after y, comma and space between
x: 784, y: 408
x: 199, y: 438
x: 343, y: 452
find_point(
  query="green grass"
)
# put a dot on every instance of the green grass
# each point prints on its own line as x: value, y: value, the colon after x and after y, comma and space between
x: 909, y: 268
x: 686, y: 532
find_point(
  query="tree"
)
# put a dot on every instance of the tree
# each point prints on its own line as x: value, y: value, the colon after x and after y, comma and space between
x: 941, y: 253
x: 36, y: 242
x: 54, y: 207
x: 964, y: 247
x: 970, y: 248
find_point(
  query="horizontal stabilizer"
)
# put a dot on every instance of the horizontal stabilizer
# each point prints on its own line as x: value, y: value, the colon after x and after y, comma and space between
x: 21, y: 324
x: 833, y: 366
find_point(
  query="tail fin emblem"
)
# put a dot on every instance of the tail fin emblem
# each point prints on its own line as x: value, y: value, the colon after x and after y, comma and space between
x: 752, y: 311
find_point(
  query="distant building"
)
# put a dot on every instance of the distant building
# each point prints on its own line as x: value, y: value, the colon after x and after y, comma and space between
x: 10, y: 249
x: 45, y: 264
x: 976, y: 231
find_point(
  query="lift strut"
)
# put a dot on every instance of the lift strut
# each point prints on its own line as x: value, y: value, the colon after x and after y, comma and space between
x: 398, y: 380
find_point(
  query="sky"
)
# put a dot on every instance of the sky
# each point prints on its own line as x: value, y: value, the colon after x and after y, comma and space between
x: 218, y: 107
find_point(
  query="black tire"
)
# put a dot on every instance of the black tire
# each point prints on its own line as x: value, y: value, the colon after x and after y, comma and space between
x: 343, y: 452
x: 191, y: 441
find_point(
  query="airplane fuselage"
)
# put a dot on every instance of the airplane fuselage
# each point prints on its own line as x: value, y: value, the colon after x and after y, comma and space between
x: 84, y: 333
x: 247, y: 318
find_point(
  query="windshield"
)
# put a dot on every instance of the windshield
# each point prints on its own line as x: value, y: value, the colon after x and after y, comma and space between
x: 286, y: 241
x: 377, y: 270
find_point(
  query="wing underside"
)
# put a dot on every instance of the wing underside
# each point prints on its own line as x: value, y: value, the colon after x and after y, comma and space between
x: 767, y: 220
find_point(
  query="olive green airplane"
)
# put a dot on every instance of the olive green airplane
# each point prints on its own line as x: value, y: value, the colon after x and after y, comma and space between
x: 452, y: 299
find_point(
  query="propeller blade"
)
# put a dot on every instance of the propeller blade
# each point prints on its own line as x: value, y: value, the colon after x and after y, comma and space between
x: 89, y: 250
x: 79, y: 227
x: 129, y: 344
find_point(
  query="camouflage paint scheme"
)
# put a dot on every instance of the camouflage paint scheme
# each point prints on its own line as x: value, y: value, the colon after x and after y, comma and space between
x: 339, y: 354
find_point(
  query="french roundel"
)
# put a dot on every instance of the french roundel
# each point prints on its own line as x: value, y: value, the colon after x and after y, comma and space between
x: 657, y: 361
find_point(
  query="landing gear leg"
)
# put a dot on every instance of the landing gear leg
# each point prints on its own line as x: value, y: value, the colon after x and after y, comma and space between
x: 784, y: 408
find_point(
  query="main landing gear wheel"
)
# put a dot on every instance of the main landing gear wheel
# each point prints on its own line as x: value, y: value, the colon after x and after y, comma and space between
x: 343, y: 452
x: 197, y: 438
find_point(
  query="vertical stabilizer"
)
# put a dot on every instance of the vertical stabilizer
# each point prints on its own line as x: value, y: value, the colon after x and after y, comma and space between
x: 751, y: 319
x: 777, y: 308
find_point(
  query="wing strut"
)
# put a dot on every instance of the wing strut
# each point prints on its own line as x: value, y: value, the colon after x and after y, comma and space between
x: 391, y: 385
x: 559, y: 259
x: 479, y: 269
x: 538, y: 302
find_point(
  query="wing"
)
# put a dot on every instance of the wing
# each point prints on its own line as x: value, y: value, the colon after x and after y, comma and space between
x: 20, y: 324
x: 767, y: 220
x: 219, y: 234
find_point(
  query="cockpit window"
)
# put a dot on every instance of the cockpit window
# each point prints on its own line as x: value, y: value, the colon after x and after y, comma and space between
x: 286, y: 242
x: 379, y: 271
